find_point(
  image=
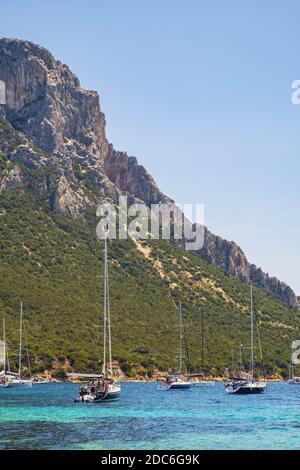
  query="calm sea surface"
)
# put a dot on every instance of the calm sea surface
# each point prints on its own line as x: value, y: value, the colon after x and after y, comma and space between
x: 45, y: 417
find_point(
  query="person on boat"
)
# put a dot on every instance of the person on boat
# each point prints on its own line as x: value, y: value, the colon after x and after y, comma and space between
x: 103, y: 385
x: 168, y: 381
x: 4, y: 380
x: 83, y: 391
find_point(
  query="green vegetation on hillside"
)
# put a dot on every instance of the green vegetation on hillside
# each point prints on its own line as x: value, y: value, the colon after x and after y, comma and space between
x: 54, y: 265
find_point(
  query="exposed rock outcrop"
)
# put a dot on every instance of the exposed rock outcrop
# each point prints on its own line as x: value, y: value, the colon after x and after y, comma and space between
x: 229, y: 256
x: 53, y: 142
x: 44, y: 100
x: 47, y: 107
x: 132, y: 178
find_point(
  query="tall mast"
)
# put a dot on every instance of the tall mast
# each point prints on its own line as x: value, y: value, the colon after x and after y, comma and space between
x: 252, y: 336
x: 20, y: 348
x: 241, y: 356
x: 188, y: 363
x: 4, y: 346
x: 108, y: 317
x: 180, y: 337
x: 104, y: 308
x: 291, y: 364
x: 202, y: 339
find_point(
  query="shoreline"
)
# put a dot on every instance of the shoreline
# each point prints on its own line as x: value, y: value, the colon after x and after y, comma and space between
x: 49, y: 379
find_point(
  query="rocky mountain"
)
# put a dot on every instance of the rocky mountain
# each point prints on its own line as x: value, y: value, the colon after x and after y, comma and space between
x: 229, y: 256
x: 53, y: 144
x: 47, y: 107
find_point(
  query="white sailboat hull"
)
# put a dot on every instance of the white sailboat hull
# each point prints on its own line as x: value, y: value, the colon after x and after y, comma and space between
x: 246, y: 389
x: 17, y: 383
x: 202, y: 383
x: 294, y: 382
x: 180, y: 385
x: 99, y: 395
x: 113, y: 393
x: 176, y: 384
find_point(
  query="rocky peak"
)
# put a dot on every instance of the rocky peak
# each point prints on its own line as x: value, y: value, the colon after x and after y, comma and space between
x: 45, y: 101
x: 53, y: 142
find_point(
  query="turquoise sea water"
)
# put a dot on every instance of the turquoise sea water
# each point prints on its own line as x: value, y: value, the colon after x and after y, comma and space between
x: 45, y: 417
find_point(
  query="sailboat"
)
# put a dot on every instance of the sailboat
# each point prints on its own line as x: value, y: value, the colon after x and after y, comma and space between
x: 5, y: 375
x: 245, y: 383
x: 102, y: 386
x: 4, y: 378
x: 293, y: 379
x: 175, y: 382
x: 197, y: 379
x: 12, y: 379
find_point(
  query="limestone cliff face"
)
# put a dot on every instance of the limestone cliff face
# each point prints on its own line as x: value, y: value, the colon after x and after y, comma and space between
x: 46, y: 105
x: 53, y: 143
x: 132, y: 178
x: 44, y: 100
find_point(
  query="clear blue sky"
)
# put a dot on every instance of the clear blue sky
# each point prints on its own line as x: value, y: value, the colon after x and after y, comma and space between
x: 200, y: 92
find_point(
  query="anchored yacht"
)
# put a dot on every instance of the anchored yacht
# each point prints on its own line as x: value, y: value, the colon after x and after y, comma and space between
x: 102, y: 387
x: 175, y: 381
x: 245, y: 383
x: 9, y: 379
